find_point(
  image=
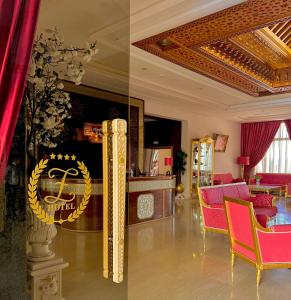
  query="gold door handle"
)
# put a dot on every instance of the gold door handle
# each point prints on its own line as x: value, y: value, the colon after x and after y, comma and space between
x: 114, y: 191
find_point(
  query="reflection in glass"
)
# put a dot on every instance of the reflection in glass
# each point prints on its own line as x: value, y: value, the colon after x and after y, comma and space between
x: 158, y: 161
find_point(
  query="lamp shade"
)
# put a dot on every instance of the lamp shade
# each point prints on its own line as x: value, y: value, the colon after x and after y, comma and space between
x: 168, y: 161
x: 243, y: 160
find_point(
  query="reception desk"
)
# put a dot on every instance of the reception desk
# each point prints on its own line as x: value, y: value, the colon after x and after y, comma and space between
x: 148, y: 198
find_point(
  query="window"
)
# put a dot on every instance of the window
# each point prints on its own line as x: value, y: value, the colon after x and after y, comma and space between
x: 278, y: 157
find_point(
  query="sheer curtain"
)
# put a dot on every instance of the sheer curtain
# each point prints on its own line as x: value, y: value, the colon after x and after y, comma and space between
x: 278, y: 157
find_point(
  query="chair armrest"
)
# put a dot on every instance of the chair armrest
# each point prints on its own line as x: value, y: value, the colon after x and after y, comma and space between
x: 281, y: 228
x: 262, y: 200
x: 275, y: 246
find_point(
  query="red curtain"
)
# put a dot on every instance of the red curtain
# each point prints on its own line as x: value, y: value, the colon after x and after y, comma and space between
x: 256, y: 138
x: 288, y: 126
x: 18, y: 19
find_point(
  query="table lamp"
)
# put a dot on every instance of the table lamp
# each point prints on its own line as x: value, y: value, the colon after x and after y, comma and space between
x: 243, y: 161
x: 169, y: 163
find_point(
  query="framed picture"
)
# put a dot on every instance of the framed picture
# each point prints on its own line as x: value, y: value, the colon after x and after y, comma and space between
x: 220, y: 142
x: 93, y: 132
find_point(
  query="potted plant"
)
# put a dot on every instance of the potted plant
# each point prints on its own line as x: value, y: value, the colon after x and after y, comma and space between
x: 47, y: 104
x: 258, y: 178
x: 180, y: 169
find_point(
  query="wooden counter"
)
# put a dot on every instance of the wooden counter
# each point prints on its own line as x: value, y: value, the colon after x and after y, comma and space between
x: 148, y: 198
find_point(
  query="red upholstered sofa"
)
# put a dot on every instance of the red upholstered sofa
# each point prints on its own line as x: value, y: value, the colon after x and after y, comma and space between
x: 225, y: 178
x: 281, y: 179
x: 212, y: 204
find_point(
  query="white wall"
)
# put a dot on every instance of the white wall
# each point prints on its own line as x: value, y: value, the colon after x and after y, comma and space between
x: 197, y: 125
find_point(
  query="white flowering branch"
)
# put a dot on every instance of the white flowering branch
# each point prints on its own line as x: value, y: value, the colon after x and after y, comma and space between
x: 48, y: 106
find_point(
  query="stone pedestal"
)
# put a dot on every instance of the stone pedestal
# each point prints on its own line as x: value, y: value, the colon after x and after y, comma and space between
x: 46, y: 279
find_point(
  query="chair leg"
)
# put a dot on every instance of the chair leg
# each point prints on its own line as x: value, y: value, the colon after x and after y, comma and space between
x: 259, y: 273
x: 232, y: 259
x: 204, y: 239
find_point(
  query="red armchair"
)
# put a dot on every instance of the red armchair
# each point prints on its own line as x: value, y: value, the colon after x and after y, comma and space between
x: 211, y: 200
x: 265, y: 248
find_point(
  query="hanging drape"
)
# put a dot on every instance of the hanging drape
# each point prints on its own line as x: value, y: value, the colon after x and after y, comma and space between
x: 18, y: 19
x: 256, y: 138
x: 288, y: 126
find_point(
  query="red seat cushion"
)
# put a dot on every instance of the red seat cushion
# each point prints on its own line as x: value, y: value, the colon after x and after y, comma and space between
x: 267, y: 211
x: 262, y: 220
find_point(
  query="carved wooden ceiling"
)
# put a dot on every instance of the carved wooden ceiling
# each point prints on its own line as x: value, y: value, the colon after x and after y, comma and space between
x: 247, y: 46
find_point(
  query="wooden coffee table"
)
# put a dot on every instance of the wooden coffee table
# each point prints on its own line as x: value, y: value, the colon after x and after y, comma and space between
x: 266, y: 189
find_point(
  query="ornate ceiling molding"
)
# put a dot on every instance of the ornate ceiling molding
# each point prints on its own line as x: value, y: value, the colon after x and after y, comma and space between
x: 246, y: 46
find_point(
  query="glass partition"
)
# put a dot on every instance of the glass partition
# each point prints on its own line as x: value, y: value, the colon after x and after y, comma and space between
x: 202, y: 161
x: 206, y: 162
x: 51, y: 205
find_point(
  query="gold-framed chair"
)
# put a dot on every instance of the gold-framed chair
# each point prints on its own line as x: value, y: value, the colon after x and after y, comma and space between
x: 265, y: 248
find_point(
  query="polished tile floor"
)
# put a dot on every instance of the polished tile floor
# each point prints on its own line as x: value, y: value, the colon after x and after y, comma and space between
x: 83, y: 279
x: 167, y: 262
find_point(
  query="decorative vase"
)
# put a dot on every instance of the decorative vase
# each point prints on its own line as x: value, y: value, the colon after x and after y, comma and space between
x: 39, y: 237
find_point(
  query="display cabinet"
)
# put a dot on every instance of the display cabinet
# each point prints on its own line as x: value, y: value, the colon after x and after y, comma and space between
x: 202, y: 163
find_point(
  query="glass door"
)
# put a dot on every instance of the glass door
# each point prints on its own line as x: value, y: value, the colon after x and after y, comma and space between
x: 52, y: 242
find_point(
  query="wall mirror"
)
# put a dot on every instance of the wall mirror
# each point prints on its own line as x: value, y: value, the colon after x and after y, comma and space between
x: 202, y: 162
x: 158, y: 161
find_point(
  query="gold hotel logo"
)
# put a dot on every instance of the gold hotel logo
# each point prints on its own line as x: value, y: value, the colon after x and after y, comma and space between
x: 46, y: 209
